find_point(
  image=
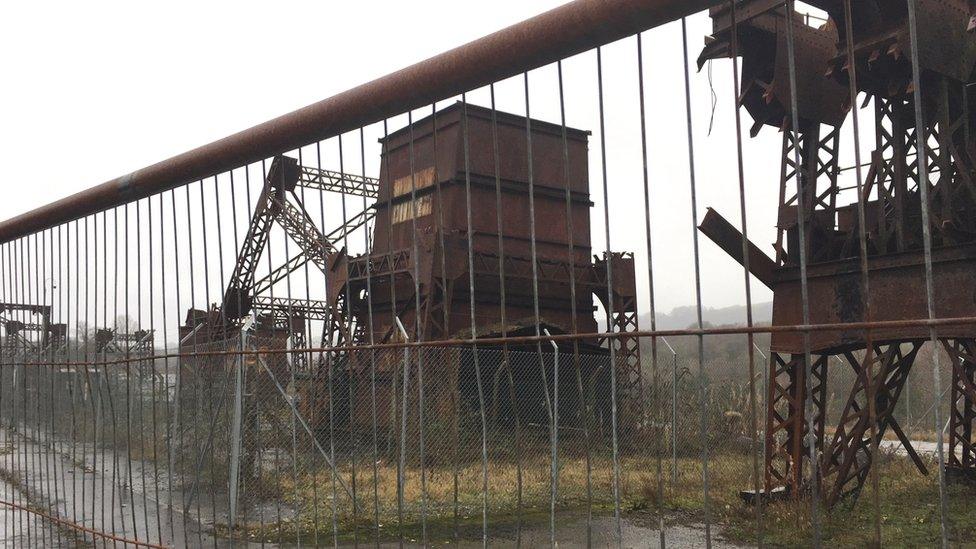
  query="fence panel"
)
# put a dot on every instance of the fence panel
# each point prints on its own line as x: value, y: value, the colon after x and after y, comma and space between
x: 431, y: 310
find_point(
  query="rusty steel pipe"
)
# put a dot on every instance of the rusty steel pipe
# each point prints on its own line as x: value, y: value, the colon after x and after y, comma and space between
x: 564, y: 31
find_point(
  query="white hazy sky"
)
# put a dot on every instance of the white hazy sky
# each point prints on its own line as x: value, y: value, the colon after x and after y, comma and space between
x: 93, y: 90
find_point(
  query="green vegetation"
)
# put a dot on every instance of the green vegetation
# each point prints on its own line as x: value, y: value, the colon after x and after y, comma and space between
x: 909, y: 510
x: 908, y: 505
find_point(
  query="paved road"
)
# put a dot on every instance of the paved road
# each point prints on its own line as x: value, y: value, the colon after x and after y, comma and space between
x: 922, y: 447
x: 108, y: 506
x: 13, y: 524
x: 88, y: 488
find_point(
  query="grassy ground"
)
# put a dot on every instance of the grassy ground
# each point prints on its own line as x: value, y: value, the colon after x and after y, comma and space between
x: 909, y: 511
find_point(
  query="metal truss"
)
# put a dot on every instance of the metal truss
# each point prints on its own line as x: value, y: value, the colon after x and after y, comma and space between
x: 846, y: 461
x: 347, y: 184
x: 280, y: 204
x: 110, y: 340
x: 15, y: 345
x: 787, y: 449
x: 52, y: 336
x: 962, y: 410
x: 300, y: 259
x: 893, y: 171
x: 283, y: 307
x: 816, y: 178
x: 881, y: 377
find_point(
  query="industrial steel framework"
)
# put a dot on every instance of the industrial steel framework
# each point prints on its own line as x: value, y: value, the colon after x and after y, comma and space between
x: 827, y: 247
x: 110, y: 340
x: 375, y: 290
x: 17, y: 318
x: 518, y: 272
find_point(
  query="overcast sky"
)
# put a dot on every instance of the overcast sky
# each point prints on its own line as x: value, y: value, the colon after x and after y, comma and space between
x: 94, y: 90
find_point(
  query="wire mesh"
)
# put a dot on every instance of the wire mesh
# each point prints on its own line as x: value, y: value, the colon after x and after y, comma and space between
x: 446, y: 326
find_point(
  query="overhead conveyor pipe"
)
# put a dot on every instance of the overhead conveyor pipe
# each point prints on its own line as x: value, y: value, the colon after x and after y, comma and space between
x: 559, y: 33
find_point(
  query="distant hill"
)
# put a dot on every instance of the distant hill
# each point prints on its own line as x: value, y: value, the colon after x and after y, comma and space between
x: 683, y: 317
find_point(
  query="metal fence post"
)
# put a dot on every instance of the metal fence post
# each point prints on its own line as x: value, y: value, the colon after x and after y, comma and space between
x: 402, y: 469
x: 235, y: 433
x: 242, y: 371
x: 555, y: 439
x: 674, y: 412
x: 761, y: 405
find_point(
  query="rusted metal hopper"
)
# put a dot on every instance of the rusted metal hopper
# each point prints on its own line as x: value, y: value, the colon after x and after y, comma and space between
x: 765, y: 64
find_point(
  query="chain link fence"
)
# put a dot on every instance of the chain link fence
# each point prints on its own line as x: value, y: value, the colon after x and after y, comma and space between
x: 369, y: 286
x: 233, y: 441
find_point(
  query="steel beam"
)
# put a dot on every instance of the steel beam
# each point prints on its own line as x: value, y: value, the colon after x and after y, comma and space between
x: 729, y: 239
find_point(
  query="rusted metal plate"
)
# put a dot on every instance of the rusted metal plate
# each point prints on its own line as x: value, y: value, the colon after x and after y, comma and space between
x: 436, y: 187
x: 943, y: 27
x: 818, y: 98
x: 882, y: 42
x: 762, y: 44
x: 897, y: 292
